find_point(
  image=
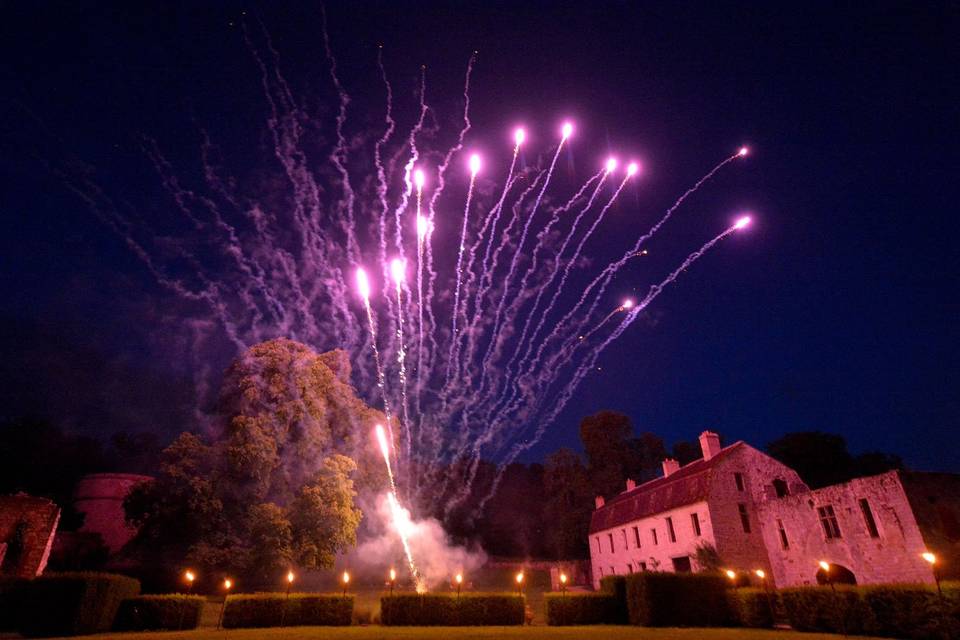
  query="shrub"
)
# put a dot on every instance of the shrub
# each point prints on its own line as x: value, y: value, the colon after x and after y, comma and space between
x: 145, y: 613
x: 443, y: 609
x: 276, y: 609
x: 912, y: 611
x: 754, y: 607
x: 822, y: 609
x: 10, y: 590
x: 69, y: 604
x: 665, y: 599
x: 616, y: 586
x: 582, y: 608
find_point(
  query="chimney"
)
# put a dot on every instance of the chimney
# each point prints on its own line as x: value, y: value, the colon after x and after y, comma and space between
x: 598, y: 501
x: 709, y: 444
x: 670, y: 466
x: 631, y: 485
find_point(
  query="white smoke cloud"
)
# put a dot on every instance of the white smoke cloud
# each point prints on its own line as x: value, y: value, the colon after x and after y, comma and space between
x: 436, y: 557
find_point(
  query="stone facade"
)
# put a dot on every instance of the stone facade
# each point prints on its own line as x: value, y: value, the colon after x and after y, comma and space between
x: 99, y: 497
x: 27, y: 527
x: 757, y: 513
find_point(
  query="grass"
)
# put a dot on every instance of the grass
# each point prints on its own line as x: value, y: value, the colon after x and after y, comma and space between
x: 471, y: 633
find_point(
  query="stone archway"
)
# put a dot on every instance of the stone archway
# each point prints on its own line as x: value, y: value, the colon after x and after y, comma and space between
x: 839, y: 574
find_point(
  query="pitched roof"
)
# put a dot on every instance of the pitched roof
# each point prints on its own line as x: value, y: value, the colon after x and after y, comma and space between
x: 687, y: 485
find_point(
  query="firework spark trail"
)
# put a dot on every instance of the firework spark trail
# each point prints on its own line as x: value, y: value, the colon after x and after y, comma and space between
x: 339, y: 153
x: 567, y: 129
x: 381, y: 174
x: 398, y: 268
x: 419, y: 179
x: 485, y: 364
x: 542, y: 238
x: 454, y: 336
x: 399, y: 515
x: 363, y: 285
x: 611, y: 165
x: 603, y: 279
x: 557, y: 405
x: 496, y: 416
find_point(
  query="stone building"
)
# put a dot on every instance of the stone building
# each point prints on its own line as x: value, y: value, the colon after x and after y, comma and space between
x: 99, y: 497
x: 752, y: 512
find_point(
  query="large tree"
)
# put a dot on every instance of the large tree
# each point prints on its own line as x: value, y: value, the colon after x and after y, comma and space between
x: 568, y: 505
x: 614, y: 454
x: 276, y: 486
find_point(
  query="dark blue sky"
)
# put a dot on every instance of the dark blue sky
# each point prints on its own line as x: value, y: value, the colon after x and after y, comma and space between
x: 837, y: 311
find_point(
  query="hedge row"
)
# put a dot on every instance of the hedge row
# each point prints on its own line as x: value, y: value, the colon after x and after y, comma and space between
x: 581, y: 608
x: 916, y: 612
x: 754, y: 607
x: 442, y: 609
x: 616, y: 587
x: 8, y: 606
x: 149, y: 613
x: 664, y: 599
x: 69, y: 604
x: 278, y: 609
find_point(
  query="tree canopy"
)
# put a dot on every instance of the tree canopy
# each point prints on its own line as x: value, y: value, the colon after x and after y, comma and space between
x: 276, y: 486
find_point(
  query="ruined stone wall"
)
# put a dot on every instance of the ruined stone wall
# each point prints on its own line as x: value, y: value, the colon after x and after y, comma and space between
x: 739, y: 550
x: 893, y: 555
x: 27, y: 526
x: 627, y: 557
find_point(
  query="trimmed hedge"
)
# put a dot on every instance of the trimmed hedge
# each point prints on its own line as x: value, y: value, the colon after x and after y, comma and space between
x: 754, y: 607
x: 276, y: 609
x: 616, y: 586
x: 822, y: 609
x: 9, y: 607
x: 444, y: 609
x: 581, y: 608
x: 147, y: 613
x: 916, y: 612
x: 663, y: 599
x: 69, y: 604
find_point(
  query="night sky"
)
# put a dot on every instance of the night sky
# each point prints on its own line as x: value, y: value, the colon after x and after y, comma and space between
x: 837, y: 311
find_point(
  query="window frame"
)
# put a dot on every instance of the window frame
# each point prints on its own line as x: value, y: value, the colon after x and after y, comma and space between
x: 829, y: 523
x: 868, y: 518
x: 744, y: 517
x: 695, y: 522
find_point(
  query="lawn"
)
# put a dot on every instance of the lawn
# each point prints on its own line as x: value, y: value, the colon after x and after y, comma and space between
x: 471, y: 633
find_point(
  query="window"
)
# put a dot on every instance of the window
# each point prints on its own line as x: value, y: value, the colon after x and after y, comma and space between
x: 744, y: 517
x: 629, y: 568
x: 601, y: 571
x: 670, y: 531
x: 653, y: 534
x: 643, y: 566
x: 613, y: 571
x: 682, y: 564
x: 636, y: 536
x: 783, y: 534
x: 610, y: 538
x: 828, y: 520
x: 780, y: 487
x: 738, y: 477
x: 599, y: 550
x: 868, y: 518
x: 695, y: 521
x: 624, y: 532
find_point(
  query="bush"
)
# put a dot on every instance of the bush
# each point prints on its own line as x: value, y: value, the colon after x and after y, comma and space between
x: 822, y: 609
x: 70, y: 604
x: 754, y: 607
x: 10, y: 590
x: 616, y: 586
x: 912, y: 611
x: 147, y: 613
x: 666, y: 599
x: 582, y: 608
x: 276, y: 609
x: 443, y: 609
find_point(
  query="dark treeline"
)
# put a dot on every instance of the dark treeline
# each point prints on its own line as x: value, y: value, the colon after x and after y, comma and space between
x: 541, y: 510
